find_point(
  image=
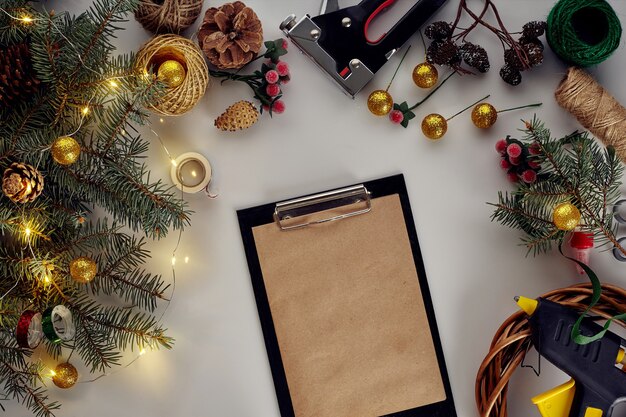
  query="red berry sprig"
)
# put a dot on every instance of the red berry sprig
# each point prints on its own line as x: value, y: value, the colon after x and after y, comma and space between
x: 519, y: 160
x: 268, y: 81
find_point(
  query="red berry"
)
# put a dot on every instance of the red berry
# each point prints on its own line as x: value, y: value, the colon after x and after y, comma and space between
x: 501, y: 146
x: 284, y: 43
x: 515, y: 161
x: 534, y: 164
x: 512, y: 176
x: 504, y: 164
x: 272, y: 76
x: 272, y: 90
x: 396, y: 116
x: 278, y: 107
x: 282, y: 68
x: 529, y: 176
x: 534, y: 148
x: 514, y: 150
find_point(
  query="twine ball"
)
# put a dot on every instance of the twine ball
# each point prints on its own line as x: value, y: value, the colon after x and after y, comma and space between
x: 182, y: 98
x: 583, y: 32
x: 167, y: 16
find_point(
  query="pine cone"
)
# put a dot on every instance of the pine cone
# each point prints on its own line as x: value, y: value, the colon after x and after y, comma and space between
x: 475, y: 56
x: 443, y: 53
x: 17, y: 77
x: 230, y: 36
x: 438, y: 31
x: 513, y: 60
x: 534, y: 53
x: 238, y: 116
x: 510, y: 75
x: 533, y: 29
x: 22, y: 183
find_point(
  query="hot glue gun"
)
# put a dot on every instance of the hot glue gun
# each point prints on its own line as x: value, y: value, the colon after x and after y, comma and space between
x: 598, y: 382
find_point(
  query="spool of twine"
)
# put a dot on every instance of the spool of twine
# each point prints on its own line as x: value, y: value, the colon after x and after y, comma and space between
x: 583, y: 32
x: 177, y: 100
x: 168, y: 16
x: 594, y: 108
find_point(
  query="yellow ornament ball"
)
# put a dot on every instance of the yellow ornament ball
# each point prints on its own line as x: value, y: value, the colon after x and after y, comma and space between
x: 380, y: 102
x: 65, y: 150
x: 425, y: 75
x: 172, y: 73
x: 434, y: 126
x: 65, y: 375
x: 83, y: 269
x: 566, y: 216
x: 484, y: 115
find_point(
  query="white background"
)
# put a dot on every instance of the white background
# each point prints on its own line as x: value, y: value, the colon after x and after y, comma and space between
x: 219, y: 367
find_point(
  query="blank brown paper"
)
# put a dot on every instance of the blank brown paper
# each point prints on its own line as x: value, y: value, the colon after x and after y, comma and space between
x: 349, y: 316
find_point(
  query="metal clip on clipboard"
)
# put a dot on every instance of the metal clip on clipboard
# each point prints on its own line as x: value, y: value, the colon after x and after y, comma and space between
x: 322, y: 208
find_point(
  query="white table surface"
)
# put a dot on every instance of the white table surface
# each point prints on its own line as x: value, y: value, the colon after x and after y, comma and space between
x: 219, y: 367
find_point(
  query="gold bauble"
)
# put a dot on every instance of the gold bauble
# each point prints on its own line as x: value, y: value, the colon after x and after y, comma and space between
x: 566, y: 216
x: 65, y: 150
x: 434, y: 126
x: 83, y: 269
x: 65, y: 375
x: 484, y: 115
x: 425, y: 75
x: 380, y: 102
x: 172, y: 73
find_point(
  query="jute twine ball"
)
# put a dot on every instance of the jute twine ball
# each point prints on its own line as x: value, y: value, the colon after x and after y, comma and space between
x: 176, y: 100
x: 168, y: 16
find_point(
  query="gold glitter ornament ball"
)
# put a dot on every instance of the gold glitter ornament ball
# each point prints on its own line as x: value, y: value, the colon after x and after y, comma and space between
x: 172, y: 73
x: 380, y: 102
x: 65, y: 375
x: 434, y: 126
x: 65, y: 150
x: 425, y: 75
x: 566, y: 216
x: 484, y: 115
x: 83, y: 269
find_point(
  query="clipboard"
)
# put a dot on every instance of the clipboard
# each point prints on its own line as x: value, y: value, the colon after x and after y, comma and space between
x: 344, y: 305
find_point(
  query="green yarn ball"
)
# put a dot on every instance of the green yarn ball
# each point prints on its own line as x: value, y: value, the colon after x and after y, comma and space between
x: 583, y: 32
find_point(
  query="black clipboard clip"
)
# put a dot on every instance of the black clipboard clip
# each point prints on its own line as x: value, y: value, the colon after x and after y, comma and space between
x: 323, y: 207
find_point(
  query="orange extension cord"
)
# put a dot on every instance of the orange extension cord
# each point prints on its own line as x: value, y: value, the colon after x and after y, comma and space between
x: 512, y: 341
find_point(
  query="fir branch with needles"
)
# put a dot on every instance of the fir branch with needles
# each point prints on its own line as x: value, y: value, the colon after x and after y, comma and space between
x: 103, y: 206
x: 574, y: 169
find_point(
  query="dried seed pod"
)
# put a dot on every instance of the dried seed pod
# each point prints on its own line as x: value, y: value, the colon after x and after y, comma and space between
x: 534, y: 29
x: 443, y: 53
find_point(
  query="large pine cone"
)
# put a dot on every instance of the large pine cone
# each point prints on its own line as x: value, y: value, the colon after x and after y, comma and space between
x: 22, y: 183
x: 230, y: 36
x: 17, y: 78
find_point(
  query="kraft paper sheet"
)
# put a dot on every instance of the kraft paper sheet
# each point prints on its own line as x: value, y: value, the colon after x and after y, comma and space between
x: 349, y: 316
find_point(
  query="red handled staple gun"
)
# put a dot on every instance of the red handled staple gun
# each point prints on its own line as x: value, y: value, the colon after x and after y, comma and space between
x: 337, y: 39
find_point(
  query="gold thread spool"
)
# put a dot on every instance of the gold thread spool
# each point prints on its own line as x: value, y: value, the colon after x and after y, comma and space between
x: 594, y: 108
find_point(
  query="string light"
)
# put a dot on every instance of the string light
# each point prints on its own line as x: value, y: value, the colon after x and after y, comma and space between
x: 142, y: 352
x: 173, y: 260
x: 27, y: 231
x: 85, y: 110
x: 113, y: 83
x: 186, y: 259
x: 26, y: 19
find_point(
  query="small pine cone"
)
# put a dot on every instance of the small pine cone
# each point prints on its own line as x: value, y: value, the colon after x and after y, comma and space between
x: 534, y: 53
x: 513, y: 60
x: 438, y: 31
x: 238, y: 116
x: 443, y: 53
x: 510, y: 75
x: 475, y: 56
x: 534, y: 29
x: 17, y: 77
x: 22, y: 183
x: 523, y: 40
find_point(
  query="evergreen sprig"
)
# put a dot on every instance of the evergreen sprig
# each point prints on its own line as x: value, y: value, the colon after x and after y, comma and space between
x: 574, y: 169
x: 72, y: 57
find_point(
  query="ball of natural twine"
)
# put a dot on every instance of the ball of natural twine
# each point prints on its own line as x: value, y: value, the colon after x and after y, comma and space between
x: 177, y: 100
x: 583, y: 32
x: 168, y: 16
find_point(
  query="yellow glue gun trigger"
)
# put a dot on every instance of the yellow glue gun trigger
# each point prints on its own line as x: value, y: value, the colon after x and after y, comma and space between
x: 556, y: 402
